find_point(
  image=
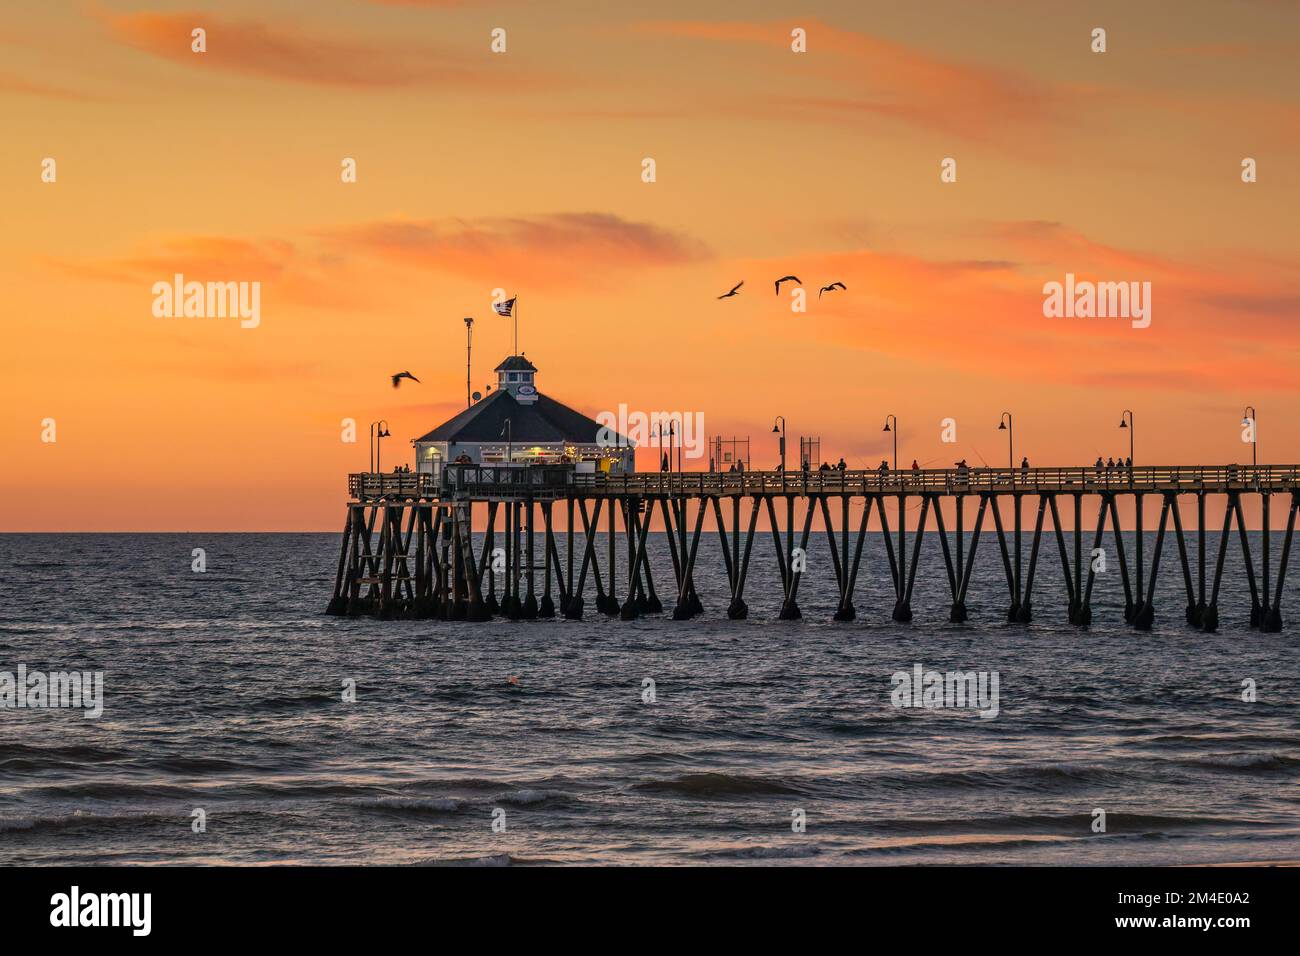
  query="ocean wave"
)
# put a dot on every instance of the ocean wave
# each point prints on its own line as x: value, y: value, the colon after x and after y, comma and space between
x: 81, y: 818
x: 298, y: 703
x: 970, y: 841
x: 1242, y: 761
x: 765, y: 852
x: 527, y: 797
x: 112, y: 790
x: 416, y: 805
x: 1222, y: 740
x: 718, y: 785
x: 58, y: 754
x: 1050, y: 778
x: 496, y: 859
x: 1065, y: 824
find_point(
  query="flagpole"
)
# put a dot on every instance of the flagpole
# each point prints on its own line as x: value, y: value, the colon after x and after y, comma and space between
x: 516, y: 312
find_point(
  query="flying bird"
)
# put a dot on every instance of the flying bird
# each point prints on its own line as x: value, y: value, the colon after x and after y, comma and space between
x: 397, y: 379
x: 794, y: 279
x: 831, y: 288
x: 734, y: 290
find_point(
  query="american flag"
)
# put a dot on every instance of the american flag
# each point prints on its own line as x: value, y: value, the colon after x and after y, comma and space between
x: 503, y: 308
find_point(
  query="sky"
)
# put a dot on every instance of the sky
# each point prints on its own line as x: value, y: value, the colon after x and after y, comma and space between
x: 523, y: 170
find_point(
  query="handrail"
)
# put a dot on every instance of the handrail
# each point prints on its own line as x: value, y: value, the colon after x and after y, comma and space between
x: 542, y: 480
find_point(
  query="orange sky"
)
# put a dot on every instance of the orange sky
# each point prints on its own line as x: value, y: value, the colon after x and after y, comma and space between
x: 523, y: 171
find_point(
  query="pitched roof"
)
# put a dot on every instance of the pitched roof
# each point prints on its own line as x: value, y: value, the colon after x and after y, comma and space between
x: 545, y: 420
x: 516, y: 363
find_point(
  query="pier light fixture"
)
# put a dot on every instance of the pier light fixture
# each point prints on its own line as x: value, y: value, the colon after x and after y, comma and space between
x: 469, y: 342
x: 1126, y: 421
x: 1248, y: 418
x: 894, y: 419
x: 660, y: 435
x: 1006, y: 424
x: 780, y: 430
x: 507, y: 434
x: 378, y: 432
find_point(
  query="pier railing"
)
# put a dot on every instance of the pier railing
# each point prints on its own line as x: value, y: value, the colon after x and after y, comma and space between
x: 948, y: 481
x: 484, y: 482
x: 373, y: 486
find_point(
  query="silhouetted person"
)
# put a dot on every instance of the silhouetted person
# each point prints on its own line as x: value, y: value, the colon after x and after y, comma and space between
x: 1110, y: 464
x: 824, y: 467
x: 841, y: 465
x: 1024, y: 463
x: 915, y: 466
x: 1128, y: 463
x: 1099, y: 464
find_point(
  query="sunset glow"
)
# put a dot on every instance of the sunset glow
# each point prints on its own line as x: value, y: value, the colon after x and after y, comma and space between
x: 522, y: 171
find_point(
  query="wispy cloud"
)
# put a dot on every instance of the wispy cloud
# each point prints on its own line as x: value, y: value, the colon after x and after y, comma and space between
x: 558, y: 250
x: 297, y: 274
x: 341, y: 267
x: 12, y: 83
x: 287, y: 51
x: 885, y: 78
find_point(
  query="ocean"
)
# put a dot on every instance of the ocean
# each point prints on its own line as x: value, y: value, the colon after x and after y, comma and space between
x: 647, y: 742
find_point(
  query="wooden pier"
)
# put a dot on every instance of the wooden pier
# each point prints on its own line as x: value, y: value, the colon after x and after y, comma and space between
x: 408, y: 548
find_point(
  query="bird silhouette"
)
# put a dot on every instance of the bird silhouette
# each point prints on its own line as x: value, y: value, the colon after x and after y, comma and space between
x: 794, y: 279
x: 734, y: 290
x: 397, y: 379
x: 831, y: 288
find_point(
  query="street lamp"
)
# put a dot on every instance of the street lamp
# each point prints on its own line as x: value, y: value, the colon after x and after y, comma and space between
x: 894, y: 418
x: 672, y: 430
x: 780, y: 430
x: 1005, y: 424
x: 1248, y: 418
x: 1131, y: 429
x: 376, y: 440
x: 469, y: 341
x: 507, y: 433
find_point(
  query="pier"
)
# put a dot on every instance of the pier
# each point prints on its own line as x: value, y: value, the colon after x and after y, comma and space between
x: 408, y: 549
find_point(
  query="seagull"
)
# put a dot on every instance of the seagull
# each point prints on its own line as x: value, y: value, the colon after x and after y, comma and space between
x: 831, y: 288
x: 794, y: 279
x: 733, y: 291
x: 397, y: 379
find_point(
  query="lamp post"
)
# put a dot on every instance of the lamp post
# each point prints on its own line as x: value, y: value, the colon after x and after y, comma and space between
x: 469, y: 339
x: 1248, y: 418
x: 508, y: 433
x: 376, y: 441
x: 1006, y: 424
x: 893, y: 418
x: 1128, y: 423
x: 781, y: 431
x: 668, y: 456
